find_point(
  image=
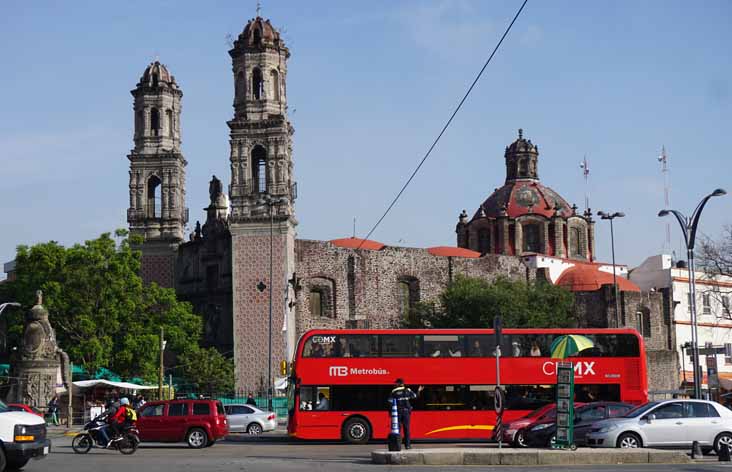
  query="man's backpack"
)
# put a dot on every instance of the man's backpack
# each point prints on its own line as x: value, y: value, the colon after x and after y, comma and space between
x: 131, y: 415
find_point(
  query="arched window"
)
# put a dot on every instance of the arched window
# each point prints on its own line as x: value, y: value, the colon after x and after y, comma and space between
x: 169, y: 122
x: 155, y: 79
x: 240, y: 86
x: 257, y: 84
x: 257, y: 36
x: 575, y: 242
x: 532, y: 238
x: 316, y: 303
x: 259, y: 169
x: 407, y: 295
x: 484, y: 241
x: 154, y: 121
x: 154, y: 209
x: 523, y: 168
x: 275, y: 84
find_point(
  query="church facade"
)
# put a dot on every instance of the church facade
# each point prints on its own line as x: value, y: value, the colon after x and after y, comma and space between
x: 259, y: 288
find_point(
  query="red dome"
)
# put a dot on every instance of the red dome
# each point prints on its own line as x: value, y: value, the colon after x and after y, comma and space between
x: 354, y: 243
x: 258, y: 32
x: 447, y: 251
x: 521, y: 197
x: 589, y: 277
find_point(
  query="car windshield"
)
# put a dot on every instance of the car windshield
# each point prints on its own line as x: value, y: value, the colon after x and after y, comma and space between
x: 536, y: 412
x: 639, y: 410
x: 4, y: 408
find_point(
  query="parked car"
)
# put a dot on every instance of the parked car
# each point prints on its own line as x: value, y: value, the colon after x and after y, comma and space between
x: 667, y: 424
x: 249, y: 419
x: 199, y: 423
x: 513, y: 433
x: 22, y: 437
x: 543, y: 434
x: 24, y: 407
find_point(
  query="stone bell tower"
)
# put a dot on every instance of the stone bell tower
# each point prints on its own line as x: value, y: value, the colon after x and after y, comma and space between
x: 157, y: 209
x: 262, y: 194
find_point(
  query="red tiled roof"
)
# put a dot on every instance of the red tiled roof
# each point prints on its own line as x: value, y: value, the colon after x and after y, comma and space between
x: 353, y: 243
x: 588, y: 278
x: 447, y: 251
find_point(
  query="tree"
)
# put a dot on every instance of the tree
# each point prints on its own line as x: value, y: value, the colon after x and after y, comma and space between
x: 715, y: 259
x: 104, y: 316
x: 473, y: 303
x: 208, y: 370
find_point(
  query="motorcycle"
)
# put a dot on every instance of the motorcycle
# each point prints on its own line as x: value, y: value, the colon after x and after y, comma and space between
x: 126, y: 442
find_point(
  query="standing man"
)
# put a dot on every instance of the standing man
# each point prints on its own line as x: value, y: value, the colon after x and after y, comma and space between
x: 402, y: 394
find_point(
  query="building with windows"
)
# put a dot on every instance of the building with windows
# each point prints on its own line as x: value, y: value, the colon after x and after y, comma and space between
x: 714, y: 320
x: 246, y: 262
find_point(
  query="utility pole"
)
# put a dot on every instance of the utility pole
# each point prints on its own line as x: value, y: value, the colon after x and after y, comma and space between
x: 160, y: 375
x: 663, y: 159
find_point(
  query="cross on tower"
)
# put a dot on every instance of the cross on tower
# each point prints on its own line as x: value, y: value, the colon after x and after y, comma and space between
x: 259, y: 7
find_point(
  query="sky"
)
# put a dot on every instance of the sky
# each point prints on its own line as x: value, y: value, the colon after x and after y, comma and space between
x: 370, y: 84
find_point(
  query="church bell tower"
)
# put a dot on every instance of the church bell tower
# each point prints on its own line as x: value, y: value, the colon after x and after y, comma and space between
x: 157, y: 174
x: 262, y: 194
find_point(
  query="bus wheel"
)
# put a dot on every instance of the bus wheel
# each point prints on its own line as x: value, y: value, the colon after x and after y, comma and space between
x: 356, y: 430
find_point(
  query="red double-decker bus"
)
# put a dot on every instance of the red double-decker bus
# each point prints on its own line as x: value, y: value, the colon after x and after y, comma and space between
x: 355, y: 371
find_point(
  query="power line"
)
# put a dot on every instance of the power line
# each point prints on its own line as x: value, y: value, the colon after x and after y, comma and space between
x: 447, y: 125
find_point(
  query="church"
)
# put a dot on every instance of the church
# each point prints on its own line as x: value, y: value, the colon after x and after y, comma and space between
x: 254, y: 282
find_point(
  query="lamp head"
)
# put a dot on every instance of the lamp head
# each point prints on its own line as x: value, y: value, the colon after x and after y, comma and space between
x: 719, y: 192
x: 601, y: 214
x: 663, y: 213
x: 618, y: 214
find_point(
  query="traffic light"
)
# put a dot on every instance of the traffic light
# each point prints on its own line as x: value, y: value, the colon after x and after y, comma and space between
x: 283, y: 368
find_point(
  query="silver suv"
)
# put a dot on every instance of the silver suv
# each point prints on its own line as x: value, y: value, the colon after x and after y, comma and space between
x: 671, y: 423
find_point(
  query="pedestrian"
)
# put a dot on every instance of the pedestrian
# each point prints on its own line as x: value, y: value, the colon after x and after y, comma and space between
x: 251, y: 400
x: 53, y: 409
x: 403, y: 394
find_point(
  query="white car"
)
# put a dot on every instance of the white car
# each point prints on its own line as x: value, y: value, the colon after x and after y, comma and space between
x: 249, y: 419
x: 667, y: 424
x: 22, y: 437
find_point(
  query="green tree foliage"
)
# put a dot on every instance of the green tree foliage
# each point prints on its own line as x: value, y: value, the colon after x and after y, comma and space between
x: 102, y: 313
x: 473, y: 303
x: 208, y: 370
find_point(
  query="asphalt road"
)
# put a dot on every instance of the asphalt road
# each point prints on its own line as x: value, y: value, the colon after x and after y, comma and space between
x: 274, y: 454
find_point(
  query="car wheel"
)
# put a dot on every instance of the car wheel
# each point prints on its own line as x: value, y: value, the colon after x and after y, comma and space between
x: 629, y: 441
x: 520, y: 439
x: 16, y: 464
x: 356, y: 431
x: 723, y: 438
x: 3, y: 461
x: 197, y: 438
x: 254, y: 429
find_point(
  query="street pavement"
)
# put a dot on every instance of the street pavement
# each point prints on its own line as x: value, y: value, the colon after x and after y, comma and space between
x: 278, y: 453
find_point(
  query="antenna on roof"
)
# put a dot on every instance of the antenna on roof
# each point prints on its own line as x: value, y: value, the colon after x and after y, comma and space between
x: 663, y: 159
x: 354, y: 226
x: 585, y: 166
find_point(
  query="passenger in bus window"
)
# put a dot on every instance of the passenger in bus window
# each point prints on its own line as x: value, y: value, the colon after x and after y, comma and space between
x: 475, y: 350
x: 343, y: 349
x: 515, y: 349
x: 322, y: 402
x: 317, y: 350
x: 436, y: 352
x: 535, y: 350
x: 456, y: 353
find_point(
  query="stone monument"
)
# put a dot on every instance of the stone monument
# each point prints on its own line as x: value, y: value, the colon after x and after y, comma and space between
x: 42, y: 365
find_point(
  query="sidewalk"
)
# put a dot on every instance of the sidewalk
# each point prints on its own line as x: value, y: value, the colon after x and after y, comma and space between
x: 494, y: 456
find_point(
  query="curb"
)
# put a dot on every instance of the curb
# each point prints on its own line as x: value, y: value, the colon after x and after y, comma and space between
x: 478, y: 456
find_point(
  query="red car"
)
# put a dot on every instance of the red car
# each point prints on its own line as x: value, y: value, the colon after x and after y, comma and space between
x: 24, y: 407
x: 200, y: 423
x: 513, y: 432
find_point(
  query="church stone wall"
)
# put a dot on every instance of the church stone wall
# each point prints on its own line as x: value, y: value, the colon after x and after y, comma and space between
x: 364, y: 285
x: 158, y: 268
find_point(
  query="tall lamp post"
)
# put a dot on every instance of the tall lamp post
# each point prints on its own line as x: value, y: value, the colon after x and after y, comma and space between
x: 5, y: 305
x: 688, y: 229
x: 268, y: 201
x: 611, y: 217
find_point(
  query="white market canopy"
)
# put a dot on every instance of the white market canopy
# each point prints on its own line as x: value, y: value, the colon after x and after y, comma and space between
x: 109, y: 383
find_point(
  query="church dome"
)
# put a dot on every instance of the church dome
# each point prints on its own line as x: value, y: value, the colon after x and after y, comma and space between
x: 156, y: 74
x: 523, y: 197
x: 258, y: 32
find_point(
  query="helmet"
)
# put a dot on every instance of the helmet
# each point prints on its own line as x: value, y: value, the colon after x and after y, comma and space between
x: 124, y: 401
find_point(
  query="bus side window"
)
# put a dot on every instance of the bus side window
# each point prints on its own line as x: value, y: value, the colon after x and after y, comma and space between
x: 400, y: 345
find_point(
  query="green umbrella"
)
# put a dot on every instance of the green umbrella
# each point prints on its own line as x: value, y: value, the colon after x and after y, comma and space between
x: 565, y: 346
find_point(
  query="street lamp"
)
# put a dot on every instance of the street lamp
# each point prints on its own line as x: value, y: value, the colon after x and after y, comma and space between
x: 611, y: 217
x: 688, y: 229
x: 270, y: 202
x: 5, y: 305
